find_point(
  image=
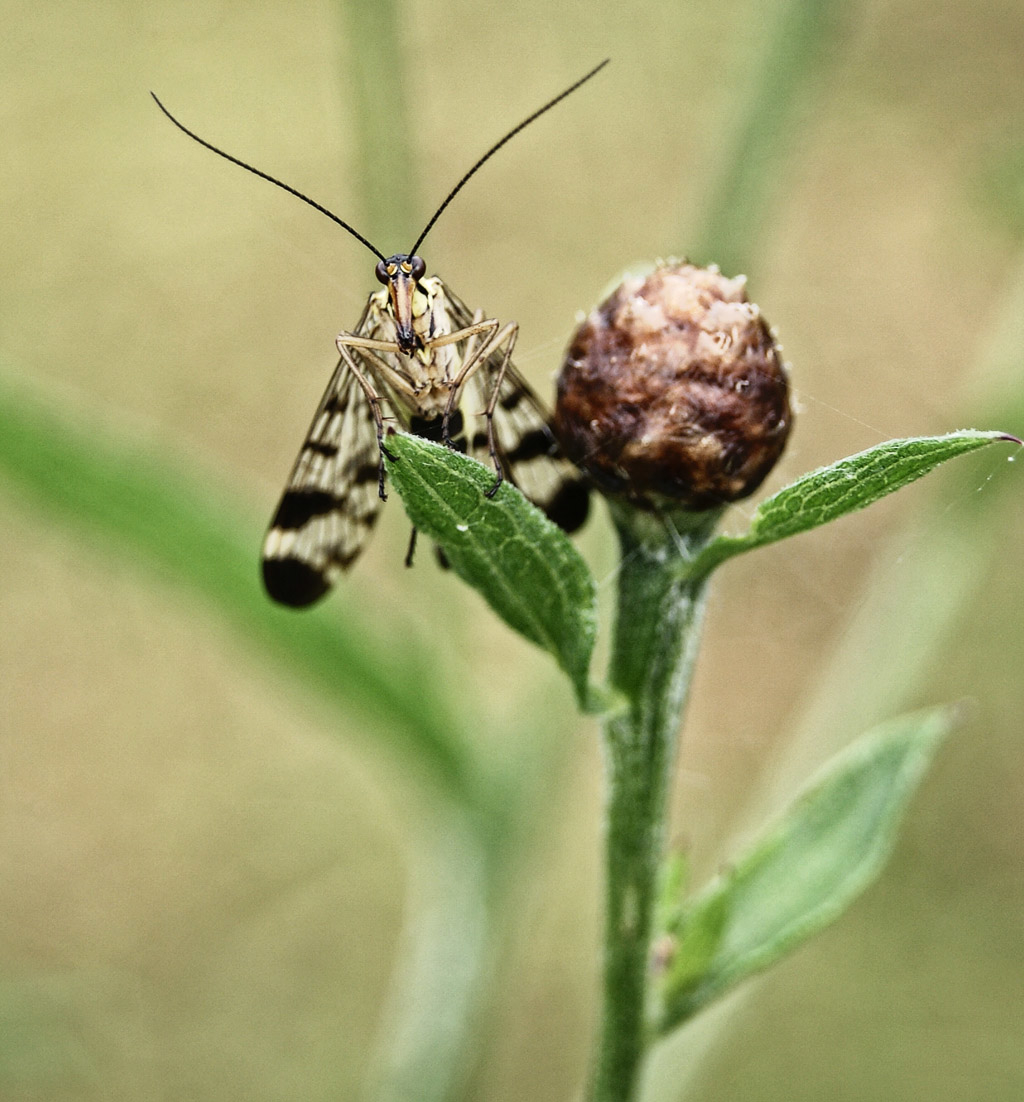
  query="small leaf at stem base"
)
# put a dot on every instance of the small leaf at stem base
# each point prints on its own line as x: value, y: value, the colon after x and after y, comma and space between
x: 805, y: 872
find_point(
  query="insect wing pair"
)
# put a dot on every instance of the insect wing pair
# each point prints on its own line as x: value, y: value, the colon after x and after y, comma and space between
x: 333, y: 497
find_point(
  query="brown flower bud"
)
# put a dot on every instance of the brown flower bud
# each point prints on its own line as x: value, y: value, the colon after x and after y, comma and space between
x: 673, y: 391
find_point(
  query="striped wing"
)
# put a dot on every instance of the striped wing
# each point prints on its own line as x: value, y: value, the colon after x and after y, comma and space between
x: 530, y: 456
x: 331, y: 502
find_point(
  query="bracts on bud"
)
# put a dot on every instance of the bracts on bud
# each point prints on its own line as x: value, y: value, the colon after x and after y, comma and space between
x: 673, y: 392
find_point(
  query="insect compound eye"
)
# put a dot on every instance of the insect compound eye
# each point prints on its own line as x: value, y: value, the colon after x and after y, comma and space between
x: 381, y: 272
x: 417, y: 269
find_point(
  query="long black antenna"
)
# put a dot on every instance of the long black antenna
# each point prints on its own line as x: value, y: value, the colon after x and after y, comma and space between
x: 490, y: 152
x: 265, y: 176
x: 440, y: 210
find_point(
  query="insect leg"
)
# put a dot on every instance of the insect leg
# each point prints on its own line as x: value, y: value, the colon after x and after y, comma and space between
x: 471, y: 332
x: 470, y: 355
x: 507, y: 337
x: 412, y: 547
x: 486, y: 325
x: 345, y: 348
x: 390, y: 373
x: 473, y: 355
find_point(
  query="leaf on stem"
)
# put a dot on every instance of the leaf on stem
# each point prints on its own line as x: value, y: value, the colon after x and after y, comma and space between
x: 852, y: 483
x: 805, y: 871
x: 523, y: 565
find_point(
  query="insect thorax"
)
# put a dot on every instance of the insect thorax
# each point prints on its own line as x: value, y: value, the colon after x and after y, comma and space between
x: 430, y: 372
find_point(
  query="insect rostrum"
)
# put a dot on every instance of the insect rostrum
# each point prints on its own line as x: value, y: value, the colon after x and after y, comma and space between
x: 419, y: 357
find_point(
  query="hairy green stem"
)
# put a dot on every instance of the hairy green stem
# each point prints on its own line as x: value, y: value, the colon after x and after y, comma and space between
x: 656, y: 635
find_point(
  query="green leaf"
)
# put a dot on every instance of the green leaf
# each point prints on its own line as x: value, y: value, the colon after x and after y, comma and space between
x: 691, y: 949
x: 673, y: 877
x: 852, y: 483
x: 523, y: 565
x: 806, y: 870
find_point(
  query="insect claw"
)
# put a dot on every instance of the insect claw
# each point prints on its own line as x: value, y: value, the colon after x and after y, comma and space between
x: 446, y: 432
x: 494, y: 489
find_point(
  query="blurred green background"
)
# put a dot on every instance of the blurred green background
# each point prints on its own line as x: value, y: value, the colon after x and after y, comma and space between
x: 209, y: 843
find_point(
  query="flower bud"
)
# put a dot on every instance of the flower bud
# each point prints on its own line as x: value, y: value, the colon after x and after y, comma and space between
x: 673, y: 391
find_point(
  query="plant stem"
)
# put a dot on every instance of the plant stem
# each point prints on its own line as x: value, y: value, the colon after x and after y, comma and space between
x: 799, y: 41
x: 425, y: 1049
x: 384, y: 164
x: 656, y: 635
